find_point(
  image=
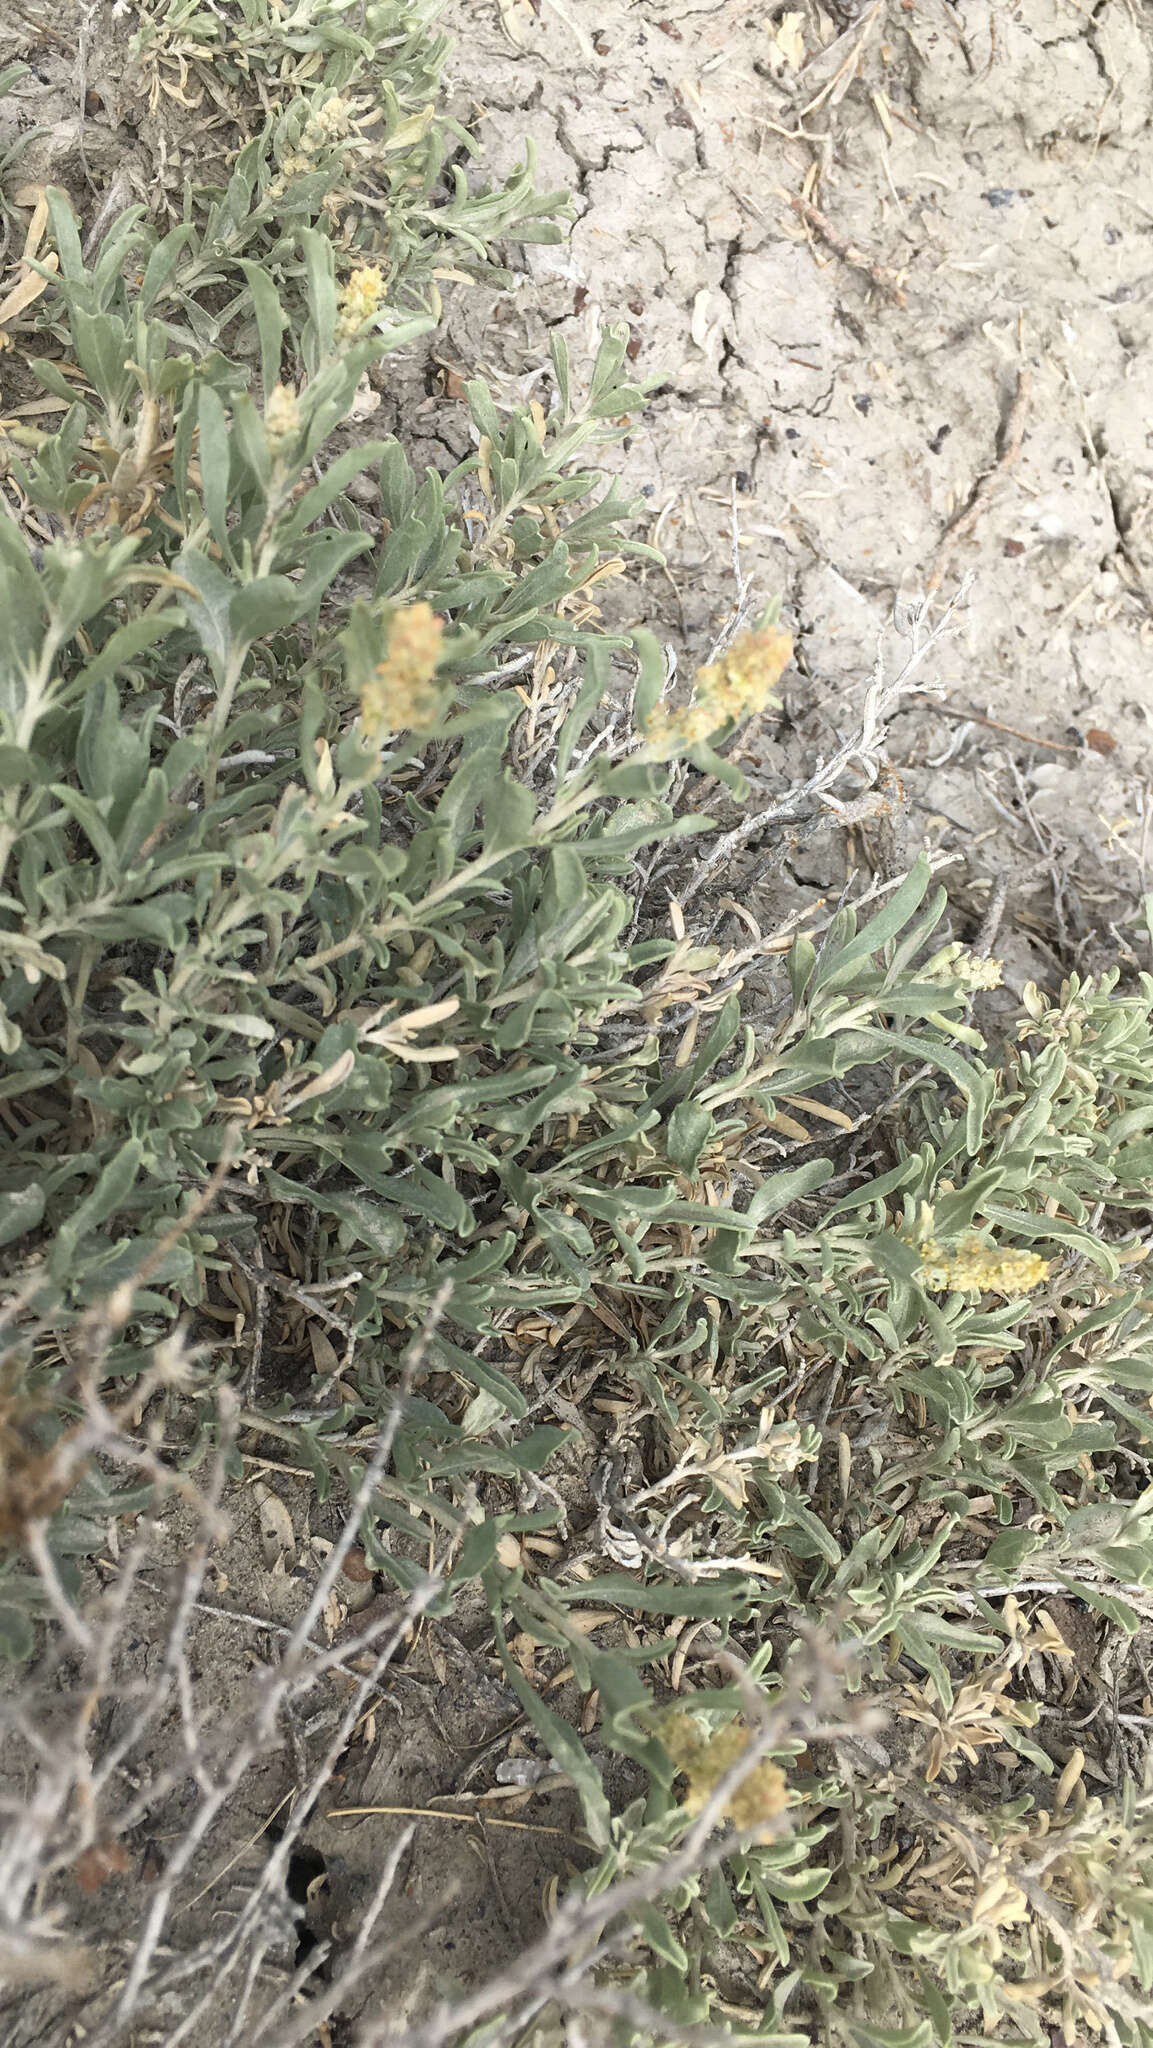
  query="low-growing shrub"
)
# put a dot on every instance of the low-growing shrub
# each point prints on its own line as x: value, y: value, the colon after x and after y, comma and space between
x: 329, y: 980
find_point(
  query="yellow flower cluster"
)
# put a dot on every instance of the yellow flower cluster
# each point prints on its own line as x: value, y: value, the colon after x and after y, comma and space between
x: 976, y: 1268
x: 706, y: 1759
x: 975, y: 972
x: 281, y: 418
x: 960, y: 969
x: 402, y: 695
x: 362, y: 296
x: 734, y: 687
x: 325, y: 126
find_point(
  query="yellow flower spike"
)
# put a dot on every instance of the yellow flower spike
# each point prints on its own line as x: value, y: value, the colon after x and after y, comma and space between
x: 955, y: 966
x: 737, y: 685
x: 362, y: 296
x: 705, y: 1759
x: 325, y: 126
x: 281, y: 418
x: 976, y: 1268
x: 748, y: 671
x: 402, y: 695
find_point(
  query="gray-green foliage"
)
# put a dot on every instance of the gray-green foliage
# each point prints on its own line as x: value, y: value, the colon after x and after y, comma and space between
x: 179, y: 852
x: 391, y: 988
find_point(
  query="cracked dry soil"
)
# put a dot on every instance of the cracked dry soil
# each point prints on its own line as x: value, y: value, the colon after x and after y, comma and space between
x: 936, y: 379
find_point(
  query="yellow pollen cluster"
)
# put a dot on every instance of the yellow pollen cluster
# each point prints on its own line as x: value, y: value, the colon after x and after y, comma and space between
x: 281, y: 417
x: 402, y: 695
x: 734, y: 687
x: 361, y: 297
x: 706, y: 1759
x: 976, y: 1268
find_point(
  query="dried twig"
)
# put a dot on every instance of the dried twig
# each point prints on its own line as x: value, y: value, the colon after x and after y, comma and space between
x: 886, y: 280
x: 473, y: 1819
x: 1014, y: 732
